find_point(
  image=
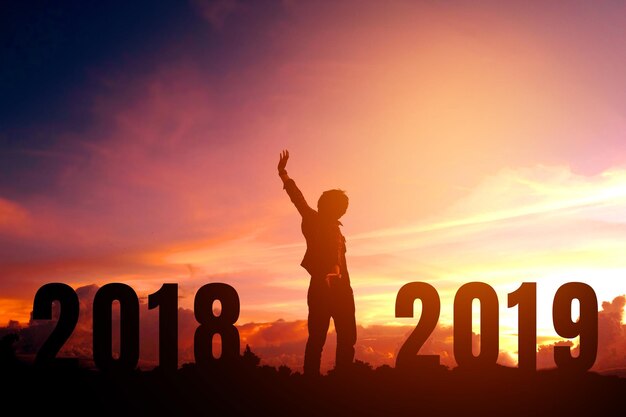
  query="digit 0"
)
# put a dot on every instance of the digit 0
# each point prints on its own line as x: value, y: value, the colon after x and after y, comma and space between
x: 103, y: 327
x: 489, y: 319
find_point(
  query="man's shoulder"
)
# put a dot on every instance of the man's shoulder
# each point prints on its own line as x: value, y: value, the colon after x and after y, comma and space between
x: 310, y: 217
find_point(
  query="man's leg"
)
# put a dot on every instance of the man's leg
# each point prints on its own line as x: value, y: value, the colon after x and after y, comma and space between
x: 318, y: 322
x: 345, y: 326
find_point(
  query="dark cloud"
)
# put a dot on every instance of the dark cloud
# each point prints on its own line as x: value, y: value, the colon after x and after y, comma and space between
x: 217, y: 11
x: 611, y: 340
x: 611, y: 335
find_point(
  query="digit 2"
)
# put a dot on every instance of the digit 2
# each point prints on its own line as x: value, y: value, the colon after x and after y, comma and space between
x: 68, y: 317
x: 431, y: 306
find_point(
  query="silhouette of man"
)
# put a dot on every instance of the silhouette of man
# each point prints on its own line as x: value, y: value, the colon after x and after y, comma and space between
x: 330, y: 294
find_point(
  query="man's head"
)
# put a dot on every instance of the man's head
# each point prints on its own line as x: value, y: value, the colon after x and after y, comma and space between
x: 332, y: 204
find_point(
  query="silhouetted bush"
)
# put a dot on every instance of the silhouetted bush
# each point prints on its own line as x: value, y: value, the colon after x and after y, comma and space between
x: 247, y: 388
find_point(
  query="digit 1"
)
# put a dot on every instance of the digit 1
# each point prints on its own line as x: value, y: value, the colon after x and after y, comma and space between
x: 103, y: 327
x: 166, y: 299
x: 489, y: 318
x: 586, y: 326
x: 526, y: 298
x: 210, y: 324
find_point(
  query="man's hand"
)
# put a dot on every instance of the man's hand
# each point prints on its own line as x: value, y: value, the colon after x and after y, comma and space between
x: 333, y: 277
x: 282, y: 163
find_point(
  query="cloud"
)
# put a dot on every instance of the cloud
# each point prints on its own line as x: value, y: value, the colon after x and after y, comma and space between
x: 216, y: 12
x: 544, y: 224
x: 161, y: 178
x: 545, y: 353
x: 611, y: 340
x: 14, y: 219
x: 611, y: 335
x: 517, y: 193
x: 16, y: 308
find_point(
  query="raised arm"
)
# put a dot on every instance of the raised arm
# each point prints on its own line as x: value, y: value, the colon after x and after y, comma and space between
x: 282, y: 163
x: 290, y: 186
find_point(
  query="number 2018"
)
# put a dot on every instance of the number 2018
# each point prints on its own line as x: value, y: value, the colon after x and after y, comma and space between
x: 166, y: 299
x: 525, y: 297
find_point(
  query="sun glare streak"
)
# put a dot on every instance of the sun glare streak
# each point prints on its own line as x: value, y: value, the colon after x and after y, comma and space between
x: 556, y: 199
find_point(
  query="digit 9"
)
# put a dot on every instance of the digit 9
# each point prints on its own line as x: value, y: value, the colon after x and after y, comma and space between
x: 586, y: 326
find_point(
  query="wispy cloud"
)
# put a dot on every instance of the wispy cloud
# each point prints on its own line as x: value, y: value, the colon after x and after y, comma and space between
x: 13, y: 217
x: 216, y: 12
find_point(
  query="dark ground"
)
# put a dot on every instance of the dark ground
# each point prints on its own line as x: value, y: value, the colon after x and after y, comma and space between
x: 247, y: 389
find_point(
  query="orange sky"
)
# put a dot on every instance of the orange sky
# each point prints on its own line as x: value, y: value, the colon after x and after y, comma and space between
x: 477, y: 142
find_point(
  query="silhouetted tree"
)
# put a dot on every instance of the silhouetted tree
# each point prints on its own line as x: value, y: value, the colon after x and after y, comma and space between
x: 284, y: 371
x: 249, y: 359
x: 7, y: 351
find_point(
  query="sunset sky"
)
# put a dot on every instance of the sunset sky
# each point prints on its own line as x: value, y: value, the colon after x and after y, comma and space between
x: 477, y: 141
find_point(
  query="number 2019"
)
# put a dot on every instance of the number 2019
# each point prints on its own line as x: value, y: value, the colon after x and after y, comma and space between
x: 525, y: 297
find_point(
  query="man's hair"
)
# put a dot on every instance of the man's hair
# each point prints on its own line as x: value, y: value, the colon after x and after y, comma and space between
x: 333, y: 203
